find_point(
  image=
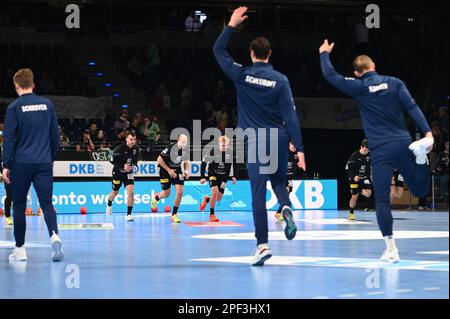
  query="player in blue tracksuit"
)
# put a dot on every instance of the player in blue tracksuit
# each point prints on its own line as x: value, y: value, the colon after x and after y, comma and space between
x: 30, y: 144
x: 264, y: 100
x: 382, y: 100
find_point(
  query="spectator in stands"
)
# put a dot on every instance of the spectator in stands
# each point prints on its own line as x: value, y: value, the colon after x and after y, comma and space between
x: 122, y: 123
x: 135, y: 127
x: 102, y: 142
x: 442, y: 171
x: 138, y: 117
x: 120, y: 136
x: 87, y: 145
x: 93, y: 132
x: 63, y: 139
x: 439, y: 139
x: 192, y: 23
x: 154, y: 131
x: 150, y: 130
x: 145, y: 129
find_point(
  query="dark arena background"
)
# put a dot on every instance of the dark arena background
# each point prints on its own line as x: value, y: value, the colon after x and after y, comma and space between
x: 110, y: 67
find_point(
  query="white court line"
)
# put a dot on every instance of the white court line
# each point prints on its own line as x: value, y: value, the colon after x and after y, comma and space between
x: 330, y: 221
x: 439, y: 252
x: 340, y: 262
x: 403, y: 290
x: 431, y: 288
x: 330, y: 235
x: 155, y: 215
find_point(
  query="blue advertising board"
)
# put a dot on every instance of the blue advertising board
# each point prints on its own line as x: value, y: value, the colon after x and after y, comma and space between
x: 69, y: 197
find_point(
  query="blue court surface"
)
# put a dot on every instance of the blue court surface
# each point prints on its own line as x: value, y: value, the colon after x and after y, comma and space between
x: 330, y: 258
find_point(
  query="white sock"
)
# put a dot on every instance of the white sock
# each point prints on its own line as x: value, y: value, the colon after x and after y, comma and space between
x: 390, y: 243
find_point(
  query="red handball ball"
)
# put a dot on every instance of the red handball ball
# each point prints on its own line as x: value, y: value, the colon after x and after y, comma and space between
x: 167, y: 209
x: 154, y: 209
x: 83, y: 210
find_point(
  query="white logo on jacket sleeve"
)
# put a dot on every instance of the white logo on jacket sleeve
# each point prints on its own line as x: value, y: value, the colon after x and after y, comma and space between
x: 34, y: 108
x: 380, y: 87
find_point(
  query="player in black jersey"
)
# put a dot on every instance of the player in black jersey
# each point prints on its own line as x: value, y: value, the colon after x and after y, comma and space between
x: 397, y: 185
x: 124, y: 159
x: 170, y: 173
x: 358, y: 170
x: 293, y: 171
x: 218, y: 173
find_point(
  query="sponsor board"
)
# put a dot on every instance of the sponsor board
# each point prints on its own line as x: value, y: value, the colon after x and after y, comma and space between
x: 69, y: 197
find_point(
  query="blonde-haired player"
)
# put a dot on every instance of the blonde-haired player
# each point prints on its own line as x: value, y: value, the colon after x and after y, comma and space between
x: 218, y: 173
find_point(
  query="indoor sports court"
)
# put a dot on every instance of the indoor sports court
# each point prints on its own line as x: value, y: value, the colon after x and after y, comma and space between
x: 205, y: 151
x: 153, y: 258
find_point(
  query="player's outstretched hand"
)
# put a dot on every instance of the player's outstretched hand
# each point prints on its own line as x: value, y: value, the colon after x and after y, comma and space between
x: 233, y: 180
x: 301, y: 161
x: 203, y: 181
x: 326, y: 47
x: 238, y: 17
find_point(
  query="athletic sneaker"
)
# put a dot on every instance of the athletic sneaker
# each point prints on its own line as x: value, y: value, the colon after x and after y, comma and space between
x: 420, y: 149
x: 57, y: 254
x: 130, y: 218
x: 9, y: 221
x: 175, y: 218
x: 213, y: 218
x: 204, y: 203
x: 19, y: 254
x: 351, y: 216
x: 108, y: 210
x: 291, y: 229
x: 262, y: 254
x: 154, y: 202
x: 390, y: 256
x: 279, y: 217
